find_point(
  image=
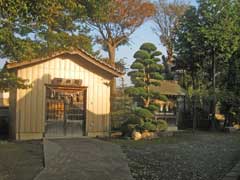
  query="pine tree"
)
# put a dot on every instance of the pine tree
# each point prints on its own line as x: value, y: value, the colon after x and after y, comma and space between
x: 10, y: 80
x: 230, y: 98
x: 29, y: 29
x: 146, y: 72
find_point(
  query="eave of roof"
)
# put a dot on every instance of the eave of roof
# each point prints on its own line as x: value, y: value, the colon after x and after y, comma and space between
x: 168, y: 87
x: 80, y: 52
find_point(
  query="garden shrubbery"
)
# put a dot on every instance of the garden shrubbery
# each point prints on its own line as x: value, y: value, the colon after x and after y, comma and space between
x: 149, y: 126
x: 146, y: 73
x: 152, y: 126
x: 142, y: 120
x: 161, y: 125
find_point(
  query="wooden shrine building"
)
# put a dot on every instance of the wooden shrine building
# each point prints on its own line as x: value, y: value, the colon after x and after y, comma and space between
x: 69, y: 96
x: 171, y: 109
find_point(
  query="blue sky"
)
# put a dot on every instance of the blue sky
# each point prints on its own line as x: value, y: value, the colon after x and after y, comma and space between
x: 141, y: 35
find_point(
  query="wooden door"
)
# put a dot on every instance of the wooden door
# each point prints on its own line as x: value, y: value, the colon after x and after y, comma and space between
x: 65, y: 112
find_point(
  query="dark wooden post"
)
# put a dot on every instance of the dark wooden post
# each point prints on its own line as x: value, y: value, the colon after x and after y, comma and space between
x: 65, y: 118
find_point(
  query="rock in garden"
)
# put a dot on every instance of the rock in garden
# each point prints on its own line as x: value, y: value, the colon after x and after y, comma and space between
x: 149, y: 135
x: 236, y: 126
x: 146, y: 134
x: 136, y: 135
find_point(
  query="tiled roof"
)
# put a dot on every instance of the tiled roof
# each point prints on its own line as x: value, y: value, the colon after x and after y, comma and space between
x: 169, y: 87
x: 80, y: 52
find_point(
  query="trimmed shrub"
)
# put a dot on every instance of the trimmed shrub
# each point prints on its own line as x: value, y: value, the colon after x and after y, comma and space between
x: 143, y: 113
x: 127, y: 129
x: 133, y: 123
x: 153, y: 108
x: 149, y: 126
x: 161, y: 125
x: 141, y: 120
x: 133, y: 119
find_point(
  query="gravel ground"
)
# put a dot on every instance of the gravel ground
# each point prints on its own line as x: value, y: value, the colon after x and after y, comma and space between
x: 187, y: 156
x: 20, y: 160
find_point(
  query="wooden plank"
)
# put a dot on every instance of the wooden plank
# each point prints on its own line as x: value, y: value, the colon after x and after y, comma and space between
x: 13, y: 111
x: 17, y: 115
x: 104, y: 108
x: 22, y: 118
x: 75, y: 70
x: 90, y: 110
x: 57, y: 63
x: 108, y: 107
x: 61, y: 65
x: 90, y: 103
x: 94, y: 105
x: 67, y: 66
x: 46, y: 79
x: 98, y: 104
x: 26, y: 94
x: 40, y: 120
x: 56, y: 69
x: 34, y: 113
x: 100, y: 110
x: 71, y: 69
x: 86, y: 112
x: 51, y: 64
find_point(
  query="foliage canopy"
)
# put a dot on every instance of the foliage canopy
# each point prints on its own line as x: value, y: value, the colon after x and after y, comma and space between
x: 146, y: 72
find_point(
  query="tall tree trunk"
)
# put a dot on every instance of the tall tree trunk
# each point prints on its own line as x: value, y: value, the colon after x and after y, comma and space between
x: 194, y: 111
x: 169, y: 54
x: 213, y: 104
x: 169, y: 63
x: 112, y: 54
x: 147, y: 100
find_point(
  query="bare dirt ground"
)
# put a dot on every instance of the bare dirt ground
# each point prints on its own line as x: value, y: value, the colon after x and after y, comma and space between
x: 186, y: 156
x: 20, y: 160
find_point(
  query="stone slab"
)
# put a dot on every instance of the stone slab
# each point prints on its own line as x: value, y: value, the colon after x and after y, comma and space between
x: 84, y: 159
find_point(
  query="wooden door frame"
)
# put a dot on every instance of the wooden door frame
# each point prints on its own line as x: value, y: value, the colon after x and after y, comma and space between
x: 63, y: 87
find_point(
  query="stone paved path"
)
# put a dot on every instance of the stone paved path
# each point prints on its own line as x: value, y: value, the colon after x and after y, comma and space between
x: 84, y: 159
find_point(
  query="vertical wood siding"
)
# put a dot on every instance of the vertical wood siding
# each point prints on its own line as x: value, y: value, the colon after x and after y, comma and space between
x: 30, y: 106
x: 12, y: 110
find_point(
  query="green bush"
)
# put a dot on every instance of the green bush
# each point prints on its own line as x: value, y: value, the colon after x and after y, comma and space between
x: 161, y: 125
x: 153, y: 108
x: 143, y: 113
x: 149, y: 126
x: 133, y: 119
x: 140, y: 120
x: 139, y: 125
x: 121, y: 110
x: 127, y: 129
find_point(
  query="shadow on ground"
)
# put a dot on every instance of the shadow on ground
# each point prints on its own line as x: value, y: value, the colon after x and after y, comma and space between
x: 20, y: 160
